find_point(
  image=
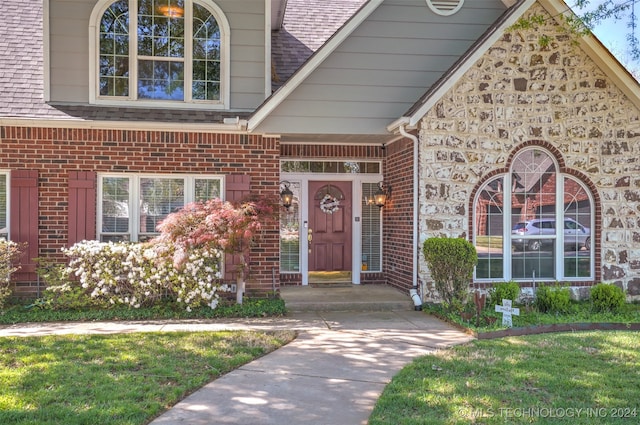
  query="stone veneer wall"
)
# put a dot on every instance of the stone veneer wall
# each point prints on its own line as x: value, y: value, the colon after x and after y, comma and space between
x: 520, y: 92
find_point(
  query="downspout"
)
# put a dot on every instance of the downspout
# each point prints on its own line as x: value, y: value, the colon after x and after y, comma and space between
x: 413, y: 292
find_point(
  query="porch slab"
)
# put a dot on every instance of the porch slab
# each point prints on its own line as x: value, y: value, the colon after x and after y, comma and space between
x: 345, y: 298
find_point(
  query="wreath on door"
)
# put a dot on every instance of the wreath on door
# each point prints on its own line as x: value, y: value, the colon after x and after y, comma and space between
x: 329, y: 204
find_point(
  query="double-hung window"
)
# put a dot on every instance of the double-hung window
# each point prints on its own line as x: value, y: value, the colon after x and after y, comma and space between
x: 152, y: 51
x: 131, y: 206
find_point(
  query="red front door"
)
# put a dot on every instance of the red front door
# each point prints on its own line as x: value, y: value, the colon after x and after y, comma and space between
x: 329, y: 230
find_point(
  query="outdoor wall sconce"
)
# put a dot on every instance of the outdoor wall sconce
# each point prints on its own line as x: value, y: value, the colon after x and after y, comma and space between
x: 382, y: 195
x: 286, y: 195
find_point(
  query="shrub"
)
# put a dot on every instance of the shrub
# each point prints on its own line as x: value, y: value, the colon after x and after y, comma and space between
x: 137, y: 275
x: 503, y: 291
x: 552, y: 299
x: 61, y: 292
x: 9, y: 251
x: 607, y: 297
x: 451, y: 262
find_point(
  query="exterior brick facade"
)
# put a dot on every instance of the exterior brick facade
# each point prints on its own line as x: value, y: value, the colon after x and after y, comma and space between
x: 398, y: 215
x: 54, y: 152
x: 520, y: 94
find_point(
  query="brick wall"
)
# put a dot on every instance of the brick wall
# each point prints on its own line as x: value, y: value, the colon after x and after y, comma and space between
x: 521, y: 94
x: 398, y: 215
x: 54, y: 152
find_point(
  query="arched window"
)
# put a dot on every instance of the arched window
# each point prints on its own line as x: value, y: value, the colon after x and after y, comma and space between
x: 534, y: 223
x: 160, y: 50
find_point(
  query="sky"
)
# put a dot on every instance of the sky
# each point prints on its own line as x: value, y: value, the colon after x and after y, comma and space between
x: 613, y: 34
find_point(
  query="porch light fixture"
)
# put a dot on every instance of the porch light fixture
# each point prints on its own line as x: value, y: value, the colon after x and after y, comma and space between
x: 382, y: 195
x: 286, y: 195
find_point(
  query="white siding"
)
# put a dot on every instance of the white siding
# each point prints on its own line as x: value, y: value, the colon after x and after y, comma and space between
x: 69, y: 23
x: 382, y: 68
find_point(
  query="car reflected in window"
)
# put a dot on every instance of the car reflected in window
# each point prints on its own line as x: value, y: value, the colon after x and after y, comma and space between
x: 538, y: 232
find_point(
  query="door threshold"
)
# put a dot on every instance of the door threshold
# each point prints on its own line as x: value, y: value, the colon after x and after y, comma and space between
x: 332, y: 278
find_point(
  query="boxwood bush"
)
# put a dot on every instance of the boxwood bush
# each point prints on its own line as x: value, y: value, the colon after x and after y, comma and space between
x: 451, y: 262
x: 607, y: 297
x: 552, y: 299
x: 503, y: 291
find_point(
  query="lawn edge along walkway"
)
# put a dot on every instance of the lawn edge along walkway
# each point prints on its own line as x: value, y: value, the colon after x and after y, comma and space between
x: 557, y: 327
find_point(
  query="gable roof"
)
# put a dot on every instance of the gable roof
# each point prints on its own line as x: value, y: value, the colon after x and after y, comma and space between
x: 371, y: 70
x: 589, y: 43
x: 306, y: 26
x: 311, y: 62
x: 22, y: 90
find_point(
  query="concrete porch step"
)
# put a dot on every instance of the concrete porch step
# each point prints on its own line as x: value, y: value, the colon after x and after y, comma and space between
x: 342, y: 297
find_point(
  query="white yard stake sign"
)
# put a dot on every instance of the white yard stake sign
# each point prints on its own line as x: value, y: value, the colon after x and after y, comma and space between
x: 507, y: 312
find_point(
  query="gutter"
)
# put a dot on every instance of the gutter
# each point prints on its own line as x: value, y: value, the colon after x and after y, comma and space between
x: 230, y: 125
x: 413, y: 292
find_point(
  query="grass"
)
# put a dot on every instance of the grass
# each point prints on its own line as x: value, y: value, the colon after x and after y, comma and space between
x: 579, y: 312
x: 542, y: 379
x: 249, y: 308
x: 116, y: 379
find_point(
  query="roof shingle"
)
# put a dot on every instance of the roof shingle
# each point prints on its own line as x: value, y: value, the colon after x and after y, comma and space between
x: 307, y: 25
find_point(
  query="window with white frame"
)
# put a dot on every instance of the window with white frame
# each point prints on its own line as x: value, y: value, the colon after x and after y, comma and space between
x: 290, y: 232
x: 161, y: 50
x: 534, y: 223
x: 131, y: 206
x: 4, y: 205
x: 371, y: 230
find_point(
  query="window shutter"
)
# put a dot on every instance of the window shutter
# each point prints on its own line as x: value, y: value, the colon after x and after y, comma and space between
x: 24, y: 221
x: 82, y: 206
x: 237, y: 188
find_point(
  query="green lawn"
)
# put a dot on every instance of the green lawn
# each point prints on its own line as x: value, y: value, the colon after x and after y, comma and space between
x: 116, y: 379
x: 578, y: 312
x: 251, y: 307
x: 576, y: 378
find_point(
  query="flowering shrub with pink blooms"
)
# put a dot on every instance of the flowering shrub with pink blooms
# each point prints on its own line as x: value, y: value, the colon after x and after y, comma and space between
x: 182, y: 263
x: 214, y: 223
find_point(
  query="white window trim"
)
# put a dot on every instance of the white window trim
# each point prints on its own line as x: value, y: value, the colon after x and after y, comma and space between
x: 357, y: 180
x: 225, y: 63
x: 558, y: 238
x: 134, y: 196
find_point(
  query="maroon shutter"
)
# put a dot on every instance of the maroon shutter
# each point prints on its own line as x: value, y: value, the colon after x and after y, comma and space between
x: 24, y: 221
x: 237, y: 188
x: 82, y: 206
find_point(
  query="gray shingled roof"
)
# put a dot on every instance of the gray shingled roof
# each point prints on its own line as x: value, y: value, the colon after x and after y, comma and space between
x: 21, y: 75
x: 22, y: 78
x: 307, y: 25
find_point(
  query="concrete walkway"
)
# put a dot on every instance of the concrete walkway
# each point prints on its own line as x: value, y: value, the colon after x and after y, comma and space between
x: 332, y: 374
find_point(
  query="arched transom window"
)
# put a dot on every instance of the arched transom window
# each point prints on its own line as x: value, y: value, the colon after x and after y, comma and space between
x: 534, y: 223
x: 161, y: 50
